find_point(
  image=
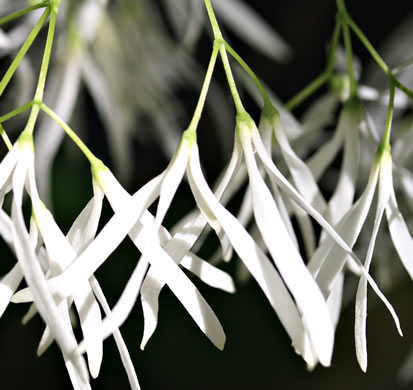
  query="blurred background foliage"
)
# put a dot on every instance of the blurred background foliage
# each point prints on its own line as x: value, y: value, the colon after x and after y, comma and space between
x: 257, y: 353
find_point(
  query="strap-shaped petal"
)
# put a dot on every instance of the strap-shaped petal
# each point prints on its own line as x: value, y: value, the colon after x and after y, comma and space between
x: 295, y: 274
x: 255, y: 260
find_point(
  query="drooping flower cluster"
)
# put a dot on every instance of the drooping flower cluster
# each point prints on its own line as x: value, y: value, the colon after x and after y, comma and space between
x: 292, y: 236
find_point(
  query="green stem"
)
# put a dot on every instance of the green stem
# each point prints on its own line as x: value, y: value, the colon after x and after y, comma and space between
x: 308, y: 90
x: 75, y: 138
x: 205, y: 86
x: 5, y: 137
x: 322, y: 78
x: 38, y: 96
x: 23, y: 50
x: 376, y: 56
x: 220, y: 42
x: 333, y: 49
x: 46, y: 57
x: 344, y: 19
x: 250, y: 73
x: 213, y: 20
x: 231, y: 82
x: 367, y: 44
x: 390, y: 109
x: 21, y: 12
x: 399, y: 85
x: 15, y: 112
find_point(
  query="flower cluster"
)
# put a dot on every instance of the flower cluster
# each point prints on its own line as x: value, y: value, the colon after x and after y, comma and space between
x: 295, y: 237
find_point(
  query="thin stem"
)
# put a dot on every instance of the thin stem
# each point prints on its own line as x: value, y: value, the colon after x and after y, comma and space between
x: 75, y: 138
x: 21, y: 12
x: 231, y: 82
x: 344, y: 18
x: 46, y: 57
x: 376, y: 56
x: 334, y: 42
x: 5, y: 137
x: 205, y: 86
x: 308, y: 90
x: 368, y: 45
x: 399, y: 85
x: 250, y: 73
x: 220, y: 42
x: 38, y: 96
x: 390, y: 109
x: 322, y: 78
x: 15, y: 112
x: 213, y: 20
x: 23, y: 50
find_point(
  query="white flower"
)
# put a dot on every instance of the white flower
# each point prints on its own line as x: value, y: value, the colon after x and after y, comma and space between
x: 307, y: 295
x: 127, y: 220
x: 349, y: 227
x: 335, y: 241
x: 55, y: 316
x: 252, y: 256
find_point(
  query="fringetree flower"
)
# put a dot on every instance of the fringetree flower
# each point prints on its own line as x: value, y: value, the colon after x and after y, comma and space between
x: 350, y: 225
x: 127, y: 220
x: 19, y: 167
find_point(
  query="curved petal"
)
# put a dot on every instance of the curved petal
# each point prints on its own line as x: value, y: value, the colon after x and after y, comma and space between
x: 255, y: 260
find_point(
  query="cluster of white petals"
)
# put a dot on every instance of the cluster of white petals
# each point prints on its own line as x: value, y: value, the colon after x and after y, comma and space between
x: 299, y: 239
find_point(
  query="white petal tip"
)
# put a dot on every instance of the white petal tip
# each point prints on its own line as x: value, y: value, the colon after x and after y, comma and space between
x: 94, y: 370
x: 219, y: 341
x: 231, y: 289
x: 143, y: 343
x: 311, y: 367
x: 145, y: 338
x: 22, y: 296
x: 41, y: 350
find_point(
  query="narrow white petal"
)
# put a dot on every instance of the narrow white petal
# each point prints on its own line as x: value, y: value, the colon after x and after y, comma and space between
x: 334, y: 301
x: 62, y: 254
x: 45, y: 341
x: 306, y: 229
x: 295, y: 274
x: 360, y: 328
x: 103, y: 245
x: 36, y: 280
x: 8, y: 286
x: 5, y: 228
x: 324, y: 156
x: 384, y: 190
x: 165, y: 269
x: 122, y: 348
x: 400, y: 234
x: 349, y: 229
x: 172, y: 178
x: 85, y: 226
x: 184, y: 237
x: 295, y: 196
x: 7, y: 164
x: 254, y: 259
x: 342, y: 198
x: 301, y: 174
x: 209, y: 274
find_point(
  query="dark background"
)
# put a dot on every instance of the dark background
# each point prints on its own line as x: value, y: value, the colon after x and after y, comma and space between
x: 257, y: 353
